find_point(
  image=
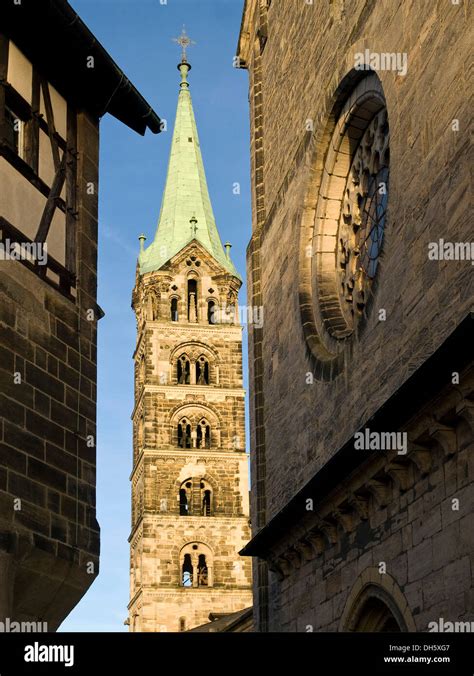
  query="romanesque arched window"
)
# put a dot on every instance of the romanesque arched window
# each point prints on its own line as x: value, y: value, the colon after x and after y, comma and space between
x: 185, y: 493
x: 202, y: 371
x: 184, y: 370
x: 196, y: 565
x: 187, y: 571
x: 211, y: 312
x: 184, y: 433
x: 196, y: 497
x: 174, y: 309
x: 192, y: 300
x: 194, y: 426
x: 206, y: 498
x: 203, y: 434
x: 202, y: 571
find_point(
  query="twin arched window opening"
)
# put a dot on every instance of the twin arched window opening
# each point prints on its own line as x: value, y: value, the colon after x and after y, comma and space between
x: 201, y: 573
x: 195, y: 498
x: 197, y: 437
x: 196, y: 566
x: 193, y: 306
x: 192, y: 373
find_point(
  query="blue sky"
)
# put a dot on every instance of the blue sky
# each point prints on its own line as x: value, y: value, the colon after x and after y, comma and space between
x: 138, y: 35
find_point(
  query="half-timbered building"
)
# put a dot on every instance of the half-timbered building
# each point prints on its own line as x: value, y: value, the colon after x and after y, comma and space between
x: 56, y: 82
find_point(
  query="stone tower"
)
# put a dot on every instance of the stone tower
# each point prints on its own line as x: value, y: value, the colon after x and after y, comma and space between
x: 190, y: 468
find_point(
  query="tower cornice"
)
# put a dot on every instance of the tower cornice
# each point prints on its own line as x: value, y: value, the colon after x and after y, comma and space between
x: 189, y: 455
x: 180, y: 392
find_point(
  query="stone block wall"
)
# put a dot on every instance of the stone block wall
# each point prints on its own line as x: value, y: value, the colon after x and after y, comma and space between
x: 301, y: 59
x: 48, y: 347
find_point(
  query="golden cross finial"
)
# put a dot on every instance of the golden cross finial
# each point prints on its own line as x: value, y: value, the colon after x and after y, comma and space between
x: 185, y: 41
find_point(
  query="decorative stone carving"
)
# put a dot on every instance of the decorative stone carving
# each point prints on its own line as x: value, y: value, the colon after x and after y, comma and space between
x: 362, y: 221
x: 343, y: 228
x: 152, y: 305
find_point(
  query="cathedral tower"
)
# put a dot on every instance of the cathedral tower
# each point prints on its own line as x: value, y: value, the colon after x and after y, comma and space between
x: 190, y: 469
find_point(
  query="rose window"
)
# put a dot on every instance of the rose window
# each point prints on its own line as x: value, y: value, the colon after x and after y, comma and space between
x: 343, y: 225
x: 362, y: 221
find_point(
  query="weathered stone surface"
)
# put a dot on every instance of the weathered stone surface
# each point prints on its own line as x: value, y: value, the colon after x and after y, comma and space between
x: 301, y: 63
x: 40, y: 343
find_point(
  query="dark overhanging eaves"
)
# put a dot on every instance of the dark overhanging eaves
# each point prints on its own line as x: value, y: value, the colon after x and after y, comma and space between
x: 454, y: 355
x: 53, y: 37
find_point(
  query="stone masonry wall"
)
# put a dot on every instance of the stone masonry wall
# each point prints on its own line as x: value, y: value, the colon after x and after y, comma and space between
x: 48, y: 352
x: 298, y: 54
x: 309, y: 50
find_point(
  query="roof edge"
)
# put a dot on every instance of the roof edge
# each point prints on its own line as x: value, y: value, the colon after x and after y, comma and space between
x: 120, y: 98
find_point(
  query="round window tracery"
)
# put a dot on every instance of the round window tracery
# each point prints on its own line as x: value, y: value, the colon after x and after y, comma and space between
x: 344, y: 225
x: 362, y: 221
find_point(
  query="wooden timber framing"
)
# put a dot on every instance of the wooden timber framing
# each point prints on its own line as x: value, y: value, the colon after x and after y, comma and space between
x: 51, y: 202
x: 50, y: 122
x: 66, y: 279
x: 64, y: 153
x: 32, y: 126
x: 27, y: 172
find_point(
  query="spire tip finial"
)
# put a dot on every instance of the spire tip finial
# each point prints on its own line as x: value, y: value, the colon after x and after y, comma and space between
x: 184, y: 66
x: 184, y: 41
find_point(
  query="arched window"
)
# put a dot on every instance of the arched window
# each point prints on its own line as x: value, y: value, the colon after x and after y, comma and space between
x: 174, y: 309
x: 184, y: 434
x: 206, y: 499
x: 182, y: 624
x: 185, y: 498
x: 187, y: 571
x: 202, y: 572
x: 212, y: 312
x: 183, y: 502
x: 192, y: 300
x: 196, y: 568
x: 184, y: 370
x: 202, y: 371
x: 203, y: 434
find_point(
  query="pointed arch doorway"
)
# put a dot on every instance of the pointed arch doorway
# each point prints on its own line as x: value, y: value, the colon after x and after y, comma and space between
x: 376, y: 604
x: 376, y: 616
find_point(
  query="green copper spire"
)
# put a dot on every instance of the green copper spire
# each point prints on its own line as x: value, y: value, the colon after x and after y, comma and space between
x: 186, y: 210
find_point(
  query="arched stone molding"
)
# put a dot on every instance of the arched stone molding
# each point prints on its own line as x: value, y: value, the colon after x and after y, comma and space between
x: 324, y: 255
x: 372, y: 585
x: 196, y: 410
x: 194, y: 348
